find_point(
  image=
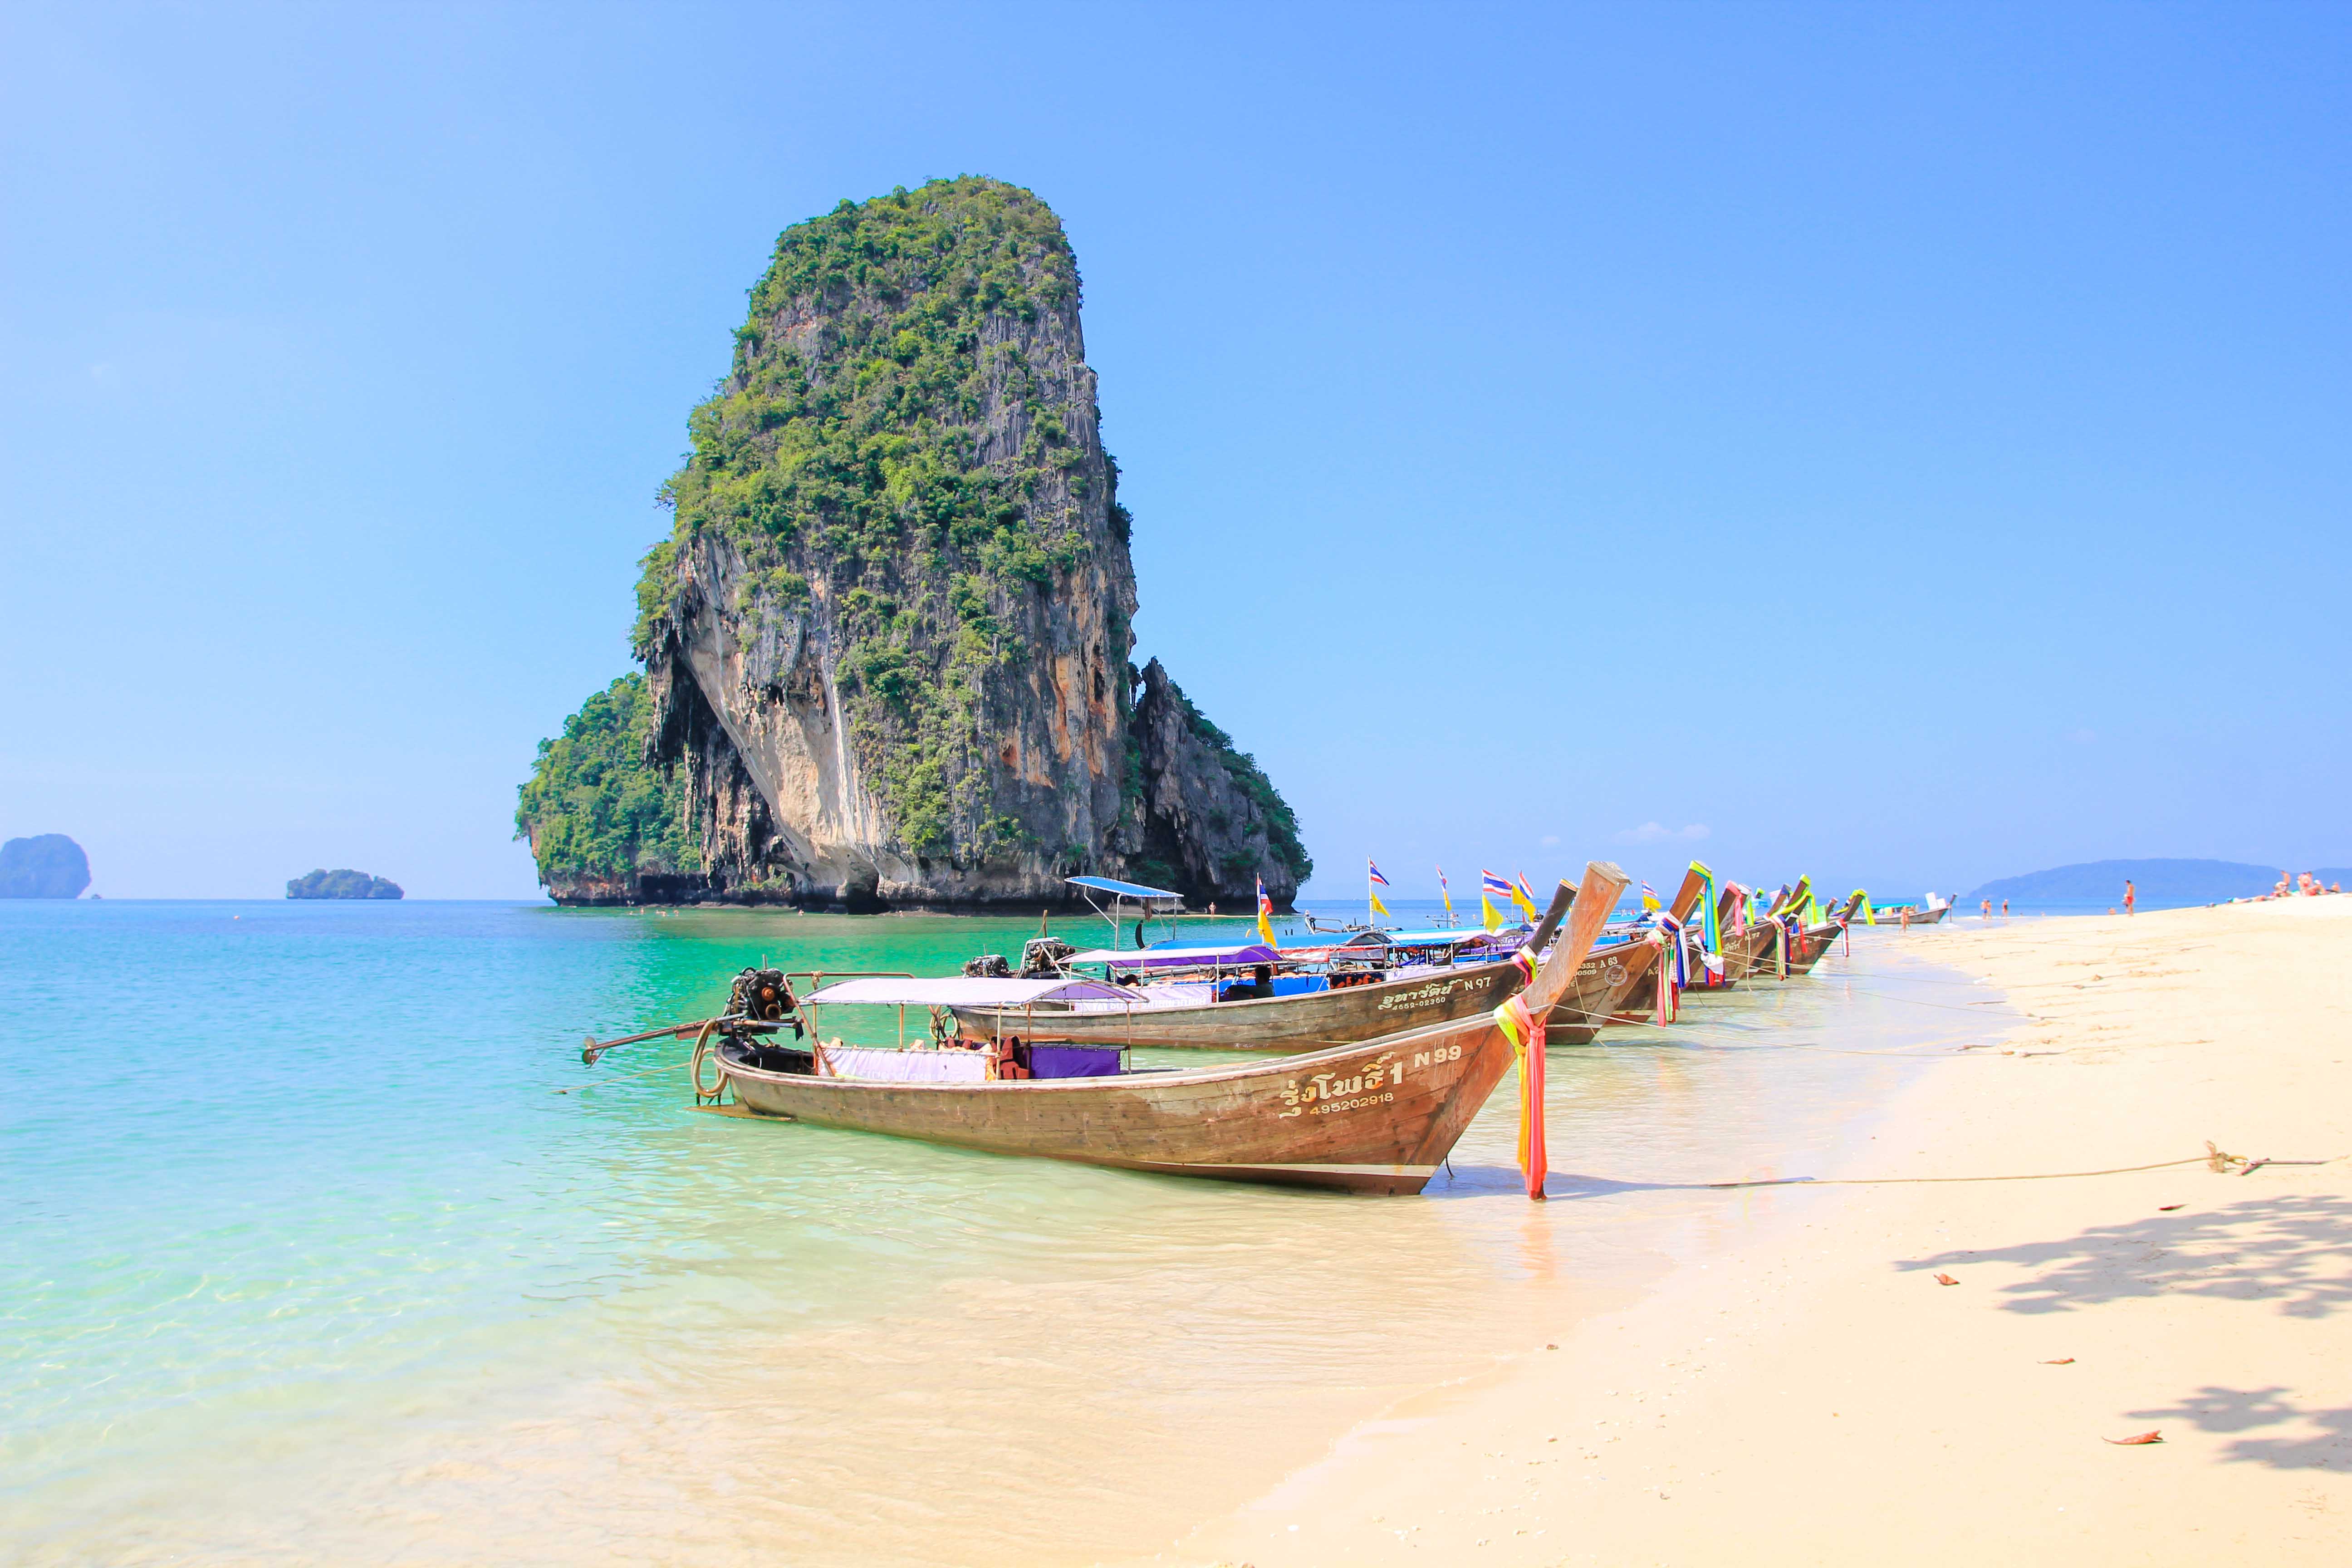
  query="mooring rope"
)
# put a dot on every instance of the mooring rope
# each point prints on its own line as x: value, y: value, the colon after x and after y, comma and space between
x: 2213, y: 1158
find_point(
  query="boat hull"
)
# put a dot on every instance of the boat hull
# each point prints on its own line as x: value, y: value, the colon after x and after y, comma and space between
x: 1375, y: 1116
x: 1605, y: 992
x: 1315, y: 1021
x: 1810, y: 945
x: 1751, y: 952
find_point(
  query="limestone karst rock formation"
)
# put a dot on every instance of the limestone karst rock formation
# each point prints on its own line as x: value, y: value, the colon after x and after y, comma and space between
x: 887, y: 643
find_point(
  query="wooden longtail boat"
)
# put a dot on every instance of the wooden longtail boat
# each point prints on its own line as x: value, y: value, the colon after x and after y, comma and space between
x: 1745, y: 954
x: 1752, y: 951
x: 1311, y: 1021
x: 1606, y: 983
x: 1376, y: 1116
x: 1816, y: 940
x: 1637, y: 1001
x: 1769, y: 931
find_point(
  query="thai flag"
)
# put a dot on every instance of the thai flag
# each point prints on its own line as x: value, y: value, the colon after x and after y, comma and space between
x: 1490, y: 883
x: 1375, y: 869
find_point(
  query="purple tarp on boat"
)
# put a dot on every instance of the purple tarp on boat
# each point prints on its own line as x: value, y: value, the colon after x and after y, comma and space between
x: 1072, y: 1062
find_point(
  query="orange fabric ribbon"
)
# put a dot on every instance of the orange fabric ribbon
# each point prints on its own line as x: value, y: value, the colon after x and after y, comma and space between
x: 1526, y: 1032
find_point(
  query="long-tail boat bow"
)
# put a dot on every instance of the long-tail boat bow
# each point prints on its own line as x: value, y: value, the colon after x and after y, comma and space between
x: 1521, y: 1018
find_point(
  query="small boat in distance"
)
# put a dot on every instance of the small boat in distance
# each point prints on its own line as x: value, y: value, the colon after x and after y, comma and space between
x: 1376, y: 1116
x: 1925, y: 912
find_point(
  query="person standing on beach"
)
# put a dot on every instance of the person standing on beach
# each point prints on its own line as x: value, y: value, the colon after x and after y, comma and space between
x: 2131, y: 895
x: 1987, y: 909
x: 2004, y: 908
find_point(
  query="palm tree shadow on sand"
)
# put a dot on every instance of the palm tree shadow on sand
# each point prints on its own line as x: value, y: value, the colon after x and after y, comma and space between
x: 2217, y: 1409
x: 2288, y: 1251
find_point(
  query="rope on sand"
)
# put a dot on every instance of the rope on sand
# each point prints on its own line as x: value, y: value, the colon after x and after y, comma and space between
x: 2213, y: 1158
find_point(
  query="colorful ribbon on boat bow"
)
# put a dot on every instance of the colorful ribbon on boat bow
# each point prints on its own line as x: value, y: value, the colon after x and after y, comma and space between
x: 1663, y: 979
x: 1526, y: 1032
x: 1710, y: 925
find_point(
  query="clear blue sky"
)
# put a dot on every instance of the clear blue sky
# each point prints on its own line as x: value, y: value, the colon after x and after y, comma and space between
x: 1900, y: 443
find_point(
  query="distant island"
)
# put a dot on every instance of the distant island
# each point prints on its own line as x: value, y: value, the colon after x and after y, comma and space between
x: 2157, y: 881
x: 46, y: 866
x: 343, y: 884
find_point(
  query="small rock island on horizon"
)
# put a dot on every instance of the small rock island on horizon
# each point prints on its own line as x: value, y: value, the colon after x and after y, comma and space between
x: 342, y: 884
x: 46, y: 866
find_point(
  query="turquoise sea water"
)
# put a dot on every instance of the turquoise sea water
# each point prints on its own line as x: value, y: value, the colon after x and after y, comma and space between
x: 322, y: 1244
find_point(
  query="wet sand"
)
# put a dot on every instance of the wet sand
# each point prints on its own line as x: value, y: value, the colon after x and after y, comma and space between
x: 1811, y: 1392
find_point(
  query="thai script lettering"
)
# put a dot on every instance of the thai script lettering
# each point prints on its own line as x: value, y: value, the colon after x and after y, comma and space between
x: 1321, y: 1093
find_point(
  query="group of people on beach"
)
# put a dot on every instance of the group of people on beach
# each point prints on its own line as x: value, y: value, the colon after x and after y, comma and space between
x: 2301, y: 885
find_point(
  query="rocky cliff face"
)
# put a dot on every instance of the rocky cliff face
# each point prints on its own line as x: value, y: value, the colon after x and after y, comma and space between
x: 887, y: 645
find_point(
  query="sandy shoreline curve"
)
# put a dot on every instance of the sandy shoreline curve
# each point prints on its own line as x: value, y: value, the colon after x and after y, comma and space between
x: 1813, y: 1394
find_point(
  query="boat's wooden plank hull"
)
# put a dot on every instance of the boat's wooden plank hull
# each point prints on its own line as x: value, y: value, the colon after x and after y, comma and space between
x: 1810, y: 945
x: 1310, y: 1022
x: 1378, y: 1117
x: 1606, y: 983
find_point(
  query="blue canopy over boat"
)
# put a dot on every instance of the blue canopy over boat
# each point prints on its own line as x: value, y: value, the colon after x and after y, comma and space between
x: 1121, y: 890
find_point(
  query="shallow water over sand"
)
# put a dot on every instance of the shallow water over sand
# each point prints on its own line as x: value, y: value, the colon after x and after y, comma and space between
x: 307, y: 1260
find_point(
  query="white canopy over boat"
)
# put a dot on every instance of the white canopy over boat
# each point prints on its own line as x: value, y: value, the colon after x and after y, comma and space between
x: 963, y: 990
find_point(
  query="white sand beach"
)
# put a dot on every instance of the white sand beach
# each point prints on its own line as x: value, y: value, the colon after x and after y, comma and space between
x: 1812, y: 1394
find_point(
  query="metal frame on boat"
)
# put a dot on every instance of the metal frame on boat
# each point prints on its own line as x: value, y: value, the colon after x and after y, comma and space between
x: 1308, y: 1021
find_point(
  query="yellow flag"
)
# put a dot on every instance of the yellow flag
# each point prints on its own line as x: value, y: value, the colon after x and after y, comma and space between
x: 1494, y: 920
x: 1378, y: 907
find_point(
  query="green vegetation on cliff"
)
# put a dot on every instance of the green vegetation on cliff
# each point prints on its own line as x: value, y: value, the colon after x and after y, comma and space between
x: 1281, y: 823
x: 594, y: 806
x: 850, y: 440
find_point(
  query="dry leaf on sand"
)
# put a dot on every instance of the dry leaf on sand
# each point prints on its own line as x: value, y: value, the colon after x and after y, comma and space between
x: 2135, y: 1440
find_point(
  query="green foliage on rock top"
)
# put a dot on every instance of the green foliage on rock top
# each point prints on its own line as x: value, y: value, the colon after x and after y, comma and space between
x: 1282, y: 838
x: 345, y: 883
x: 843, y: 456
x: 594, y: 806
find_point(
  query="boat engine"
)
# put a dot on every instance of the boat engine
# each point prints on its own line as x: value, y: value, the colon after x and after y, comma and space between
x: 1041, y: 956
x: 765, y: 995
x: 988, y: 966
